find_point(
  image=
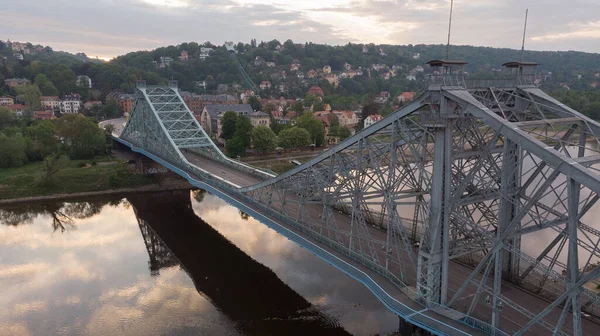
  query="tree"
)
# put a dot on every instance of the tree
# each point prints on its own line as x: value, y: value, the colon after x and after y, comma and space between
x: 109, y: 128
x: 344, y: 132
x: 46, y: 86
x: 294, y: 137
x: 82, y: 137
x: 12, y: 151
x: 235, y: 147
x: 368, y: 109
x: 7, y: 118
x: 31, y: 95
x: 111, y: 109
x: 318, y: 106
x: 228, y: 122
x: 333, y: 120
x: 298, y: 107
x: 314, y: 126
x: 263, y: 139
x: 243, y: 130
x: 269, y: 108
x: 255, y: 103
x: 41, y: 140
x: 52, y: 164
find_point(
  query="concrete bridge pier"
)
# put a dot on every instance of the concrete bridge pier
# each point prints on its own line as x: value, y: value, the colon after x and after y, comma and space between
x: 406, y: 328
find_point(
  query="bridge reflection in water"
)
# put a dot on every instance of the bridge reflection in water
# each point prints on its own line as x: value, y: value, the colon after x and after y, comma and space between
x: 246, y: 291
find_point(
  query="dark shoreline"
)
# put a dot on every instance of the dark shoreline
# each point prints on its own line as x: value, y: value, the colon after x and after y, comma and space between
x: 73, y: 196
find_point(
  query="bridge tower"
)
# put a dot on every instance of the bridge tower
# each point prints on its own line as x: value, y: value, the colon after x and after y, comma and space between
x: 432, y: 267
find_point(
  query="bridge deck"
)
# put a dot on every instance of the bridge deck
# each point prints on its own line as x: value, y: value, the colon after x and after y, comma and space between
x: 511, y: 320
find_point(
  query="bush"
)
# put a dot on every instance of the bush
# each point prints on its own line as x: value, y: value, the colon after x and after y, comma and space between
x: 94, y: 163
x: 113, y: 181
x: 81, y: 165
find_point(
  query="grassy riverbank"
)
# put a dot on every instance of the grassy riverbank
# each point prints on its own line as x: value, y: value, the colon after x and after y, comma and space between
x: 77, y: 176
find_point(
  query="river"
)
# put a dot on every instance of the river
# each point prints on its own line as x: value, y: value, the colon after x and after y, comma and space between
x: 169, y: 263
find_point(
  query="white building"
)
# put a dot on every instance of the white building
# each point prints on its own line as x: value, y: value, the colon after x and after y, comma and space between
x: 370, y: 120
x: 205, y: 52
x: 84, y: 81
x: 70, y: 104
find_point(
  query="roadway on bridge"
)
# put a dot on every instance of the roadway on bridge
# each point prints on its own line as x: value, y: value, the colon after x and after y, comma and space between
x: 511, y: 320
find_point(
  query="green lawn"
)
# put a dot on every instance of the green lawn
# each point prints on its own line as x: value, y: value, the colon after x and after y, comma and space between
x: 26, y: 181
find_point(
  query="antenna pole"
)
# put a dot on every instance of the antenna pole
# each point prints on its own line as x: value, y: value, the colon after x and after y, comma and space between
x: 524, y: 31
x: 449, y: 26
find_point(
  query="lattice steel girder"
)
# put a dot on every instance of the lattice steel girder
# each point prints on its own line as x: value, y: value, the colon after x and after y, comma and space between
x: 568, y: 166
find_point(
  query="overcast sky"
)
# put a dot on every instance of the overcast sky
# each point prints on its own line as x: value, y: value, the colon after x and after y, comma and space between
x: 107, y: 28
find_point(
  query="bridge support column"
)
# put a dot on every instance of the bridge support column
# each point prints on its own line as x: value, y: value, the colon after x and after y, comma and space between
x: 432, y: 272
x: 510, y: 183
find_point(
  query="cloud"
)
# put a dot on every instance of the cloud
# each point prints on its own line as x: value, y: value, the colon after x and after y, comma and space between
x: 108, y: 28
x: 580, y: 31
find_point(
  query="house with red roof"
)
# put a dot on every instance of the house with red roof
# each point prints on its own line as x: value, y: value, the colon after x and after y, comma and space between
x: 405, y: 96
x: 44, y: 115
x: 315, y: 91
x: 17, y: 108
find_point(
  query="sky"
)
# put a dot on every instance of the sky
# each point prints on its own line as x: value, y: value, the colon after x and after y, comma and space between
x: 108, y: 28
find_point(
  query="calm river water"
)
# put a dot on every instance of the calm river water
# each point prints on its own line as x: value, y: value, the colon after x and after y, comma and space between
x: 170, y: 263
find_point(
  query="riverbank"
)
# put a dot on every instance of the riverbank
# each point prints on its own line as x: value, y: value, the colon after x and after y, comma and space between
x: 78, y: 178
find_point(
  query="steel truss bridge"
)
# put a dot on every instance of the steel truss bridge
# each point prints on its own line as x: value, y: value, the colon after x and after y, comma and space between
x: 477, y: 173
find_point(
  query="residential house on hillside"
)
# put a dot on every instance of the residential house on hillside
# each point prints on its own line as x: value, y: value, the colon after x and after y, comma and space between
x: 283, y: 75
x: 326, y: 123
x: 259, y: 61
x: 6, y: 100
x: 327, y: 69
x: 411, y: 77
x: 245, y: 95
x: 18, y: 109
x: 311, y: 73
x: 265, y: 85
x: 84, y: 81
x: 88, y: 105
x: 382, y: 98
x: 300, y: 75
x: 365, y: 49
x: 346, y: 118
x: 370, y: 120
x: 332, y: 79
x: 44, y: 115
x: 222, y: 88
x: 210, y: 120
x: 194, y: 103
x: 18, y: 56
x: 165, y: 61
x: 416, y: 56
x: 12, y: 82
x: 50, y: 102
x: 405, y: 96
x: 125, y: 101
x: 315, y: 91
x: 260, y: 118
x: 350, y: 73
x: 204, y: 53
x: 347, y: 66
x: 294, y: 66
x: 70, y: 103
x: 270, y: 64
x: 327, y: 108
x: 183, y: 56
